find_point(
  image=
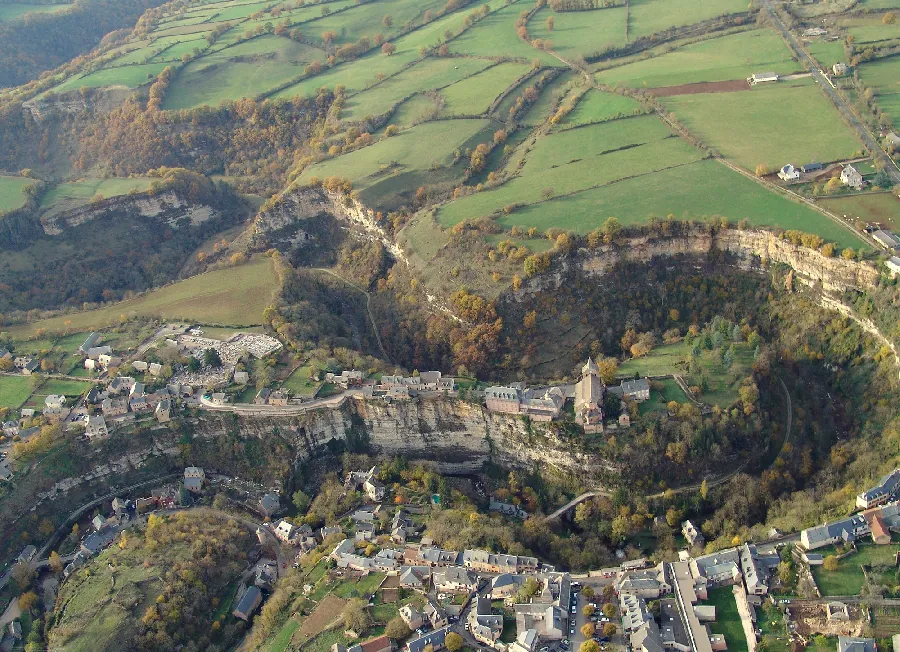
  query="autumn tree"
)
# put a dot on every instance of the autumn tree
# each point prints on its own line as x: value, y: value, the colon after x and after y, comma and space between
x: 550, y: 24
x: 609, y: 610
x: 889, y: 18
x: 396, y: 629
x: 762, y: 170
x: 609, y: 629
x: 831, y: 563
x: 588, y: 630
x: 453, y: 642
x: 388, y: 49
x: 55, y: 562
x: 27, y: 601
x: 589, y: 646
x: 22, y: 574
x: 356, y: 616
x: 387, y: 21
x: 588, y: 610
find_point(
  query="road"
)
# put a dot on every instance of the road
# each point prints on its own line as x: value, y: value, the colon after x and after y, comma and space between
x: 277, y: 410
x: 863, y: 133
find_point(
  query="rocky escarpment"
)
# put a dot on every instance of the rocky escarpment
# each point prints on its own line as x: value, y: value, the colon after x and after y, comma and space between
x: 750, y: 249
x: 166, y: 208
x: 458, y: 437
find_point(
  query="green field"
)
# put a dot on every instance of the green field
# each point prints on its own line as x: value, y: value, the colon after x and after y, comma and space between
x: 414, y: 149
x: 243, y: 70
x: 12, y: 11
x: 495, y: 36
x: 580, y: 33
x: 366, y: 20
x: 670, y: 359
x: 848, y: 579
x: 235, y: 296
x: 728, y: 620
x: 12, y: 192
x: 64, y: 387
x: 827, y: 53
x: 870, y: 29
x: 127, y: 76
x: 14, y: 391
x: 473, y: 96
x: 883, y: 77
x: 761, y: 126
x: 882, y: 207
x: 424, y: 76
x: 299, y: 383
x: 597, y: 106
x: 735, y: 56
x: 78, y: 193
x: 652, y: 16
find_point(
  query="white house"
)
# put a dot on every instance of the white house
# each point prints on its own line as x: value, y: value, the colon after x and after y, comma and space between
x: 839, y: 69
x: 850, y: 176
x: 789, y: 173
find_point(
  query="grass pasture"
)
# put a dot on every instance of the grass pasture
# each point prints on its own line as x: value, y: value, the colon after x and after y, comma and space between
x: 883, y: 77
x: 15, y: 10
x: 127, y: 76
x: 235, y: 296
x: 761, y: 126
x: 580, y: 33
x: 244, y: 70
x: 14, y: 391
x: 78, y: 193
x: 12, y: 192
x: 414, y: 149
x: 426, y: 75
x: 473, y: 95
x: 882, y: 207
x: 495, y: 36
x: 695, y: 191
x: 827, y: 53
x: 366, y: 20
x: 652, y: 16
x: 597, y: 106
x: 730, y: 57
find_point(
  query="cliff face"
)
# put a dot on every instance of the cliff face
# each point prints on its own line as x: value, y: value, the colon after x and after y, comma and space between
x: 458, y: 437
x: 167, y: 208
x: 752, y: 250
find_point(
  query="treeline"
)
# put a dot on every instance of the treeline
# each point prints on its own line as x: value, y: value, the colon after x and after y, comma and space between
x: 40, y: 42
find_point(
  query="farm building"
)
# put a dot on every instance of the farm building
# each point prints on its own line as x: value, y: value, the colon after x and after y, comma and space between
x: 887, y: 239
x: 762, y: 78
x: 811, y: 167
x: 893, y: 264
x: 788, y: 173
x: 839, y: 69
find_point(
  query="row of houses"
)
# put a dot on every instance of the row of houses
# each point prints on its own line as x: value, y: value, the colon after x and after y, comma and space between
x: 876, y: 522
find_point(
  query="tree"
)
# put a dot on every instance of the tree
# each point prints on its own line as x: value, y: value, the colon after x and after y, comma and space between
x: 589, y: 646
x: 396, y: 629
x: 588, y: 630
x: 55, y: 562
x: 831, y: 563
x: 453, y: 641
x: 356, y: 616
x: 588, y: 610
x: 387, y: 21
x: 550, y: 24
x: 762, y: 170
x: 300, y: 500
x: 889, y: 18
x: 609, y: 629
x: 388, y: 49
x: 704, y: 489
x: 22, y: 574
x: 673, y: 517
x: 211, y: 358
x: 27, y: 601
x: 588, y: 593
x: 609, y: 610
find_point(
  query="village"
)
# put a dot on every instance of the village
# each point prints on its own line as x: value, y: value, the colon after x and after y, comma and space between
x: 516, y: 603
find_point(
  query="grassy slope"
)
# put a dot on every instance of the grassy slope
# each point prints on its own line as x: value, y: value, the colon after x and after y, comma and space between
x: 762, y: 125
x: 736, y: 56
x: 474, y: 95
x: 696, y: 191
x: 595, y: 106
x: 78, y: 193
x: 17, y: 10
x: 651, y: 16
x: 11, y: 192
x: 580, y: 33
x: 236, y: 296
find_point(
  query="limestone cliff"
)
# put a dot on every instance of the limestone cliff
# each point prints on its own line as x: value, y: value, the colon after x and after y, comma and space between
x: 457, y: 436
x: 167, y: 208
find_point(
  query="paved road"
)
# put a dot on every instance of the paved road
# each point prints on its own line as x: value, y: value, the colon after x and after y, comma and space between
x: 831, y: 92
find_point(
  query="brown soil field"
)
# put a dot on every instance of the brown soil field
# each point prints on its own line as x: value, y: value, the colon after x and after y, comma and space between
x: 701, y: 87
x: 328, y: 611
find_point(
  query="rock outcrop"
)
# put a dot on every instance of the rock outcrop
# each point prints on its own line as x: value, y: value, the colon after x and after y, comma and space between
x: 167, y: 208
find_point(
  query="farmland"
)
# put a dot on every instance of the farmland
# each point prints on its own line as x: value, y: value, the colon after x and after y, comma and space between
x: 12, y: 192
x: 748, y: 128
x: 235, y: 296
x: 77, y: 193
x: 14, y: 391
x: 883, y: 208
x: 881, y: 76
x: 735, y: 56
